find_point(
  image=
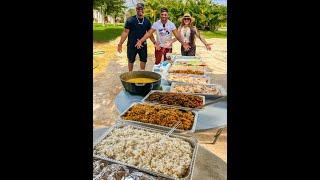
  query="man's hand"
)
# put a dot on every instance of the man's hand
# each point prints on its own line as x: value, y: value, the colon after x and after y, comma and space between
x: 208, y: 46
x: 167, y: 45
x: 138, y: 44
x: 186, y: 46
x: 119, y: 48
x: 157, y: 46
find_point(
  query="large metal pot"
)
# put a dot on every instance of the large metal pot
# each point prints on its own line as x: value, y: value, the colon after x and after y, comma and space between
x: 140, y: 88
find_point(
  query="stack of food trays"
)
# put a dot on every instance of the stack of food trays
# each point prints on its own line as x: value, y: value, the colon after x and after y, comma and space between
x: 197, y: 82
x: 189, y: 70
x: 148, y: 150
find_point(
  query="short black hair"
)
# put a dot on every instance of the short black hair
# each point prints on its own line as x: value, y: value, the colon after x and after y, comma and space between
x: 140, y: 5
x: 164, y: 9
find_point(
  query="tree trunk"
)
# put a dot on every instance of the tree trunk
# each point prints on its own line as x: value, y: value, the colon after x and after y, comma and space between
x: 115, y: 18
x: 102, y: 16
x: 210, y: 26
x: 214, y: 27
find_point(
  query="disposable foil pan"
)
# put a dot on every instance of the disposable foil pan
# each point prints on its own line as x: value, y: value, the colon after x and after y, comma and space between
x: 187, y: 108
x: 223, y: 92
x: 192, y: 75
x: 193, y: 142
x: 164, y: 128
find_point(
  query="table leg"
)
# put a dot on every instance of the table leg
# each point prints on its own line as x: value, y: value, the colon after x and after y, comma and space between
x: 218, y: 133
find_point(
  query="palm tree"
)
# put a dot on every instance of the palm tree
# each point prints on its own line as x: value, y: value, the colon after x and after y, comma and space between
x: 151, y: 9
x: 207, y: 14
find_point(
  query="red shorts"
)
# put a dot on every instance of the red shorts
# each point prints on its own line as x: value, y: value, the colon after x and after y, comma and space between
x: 161, y: 53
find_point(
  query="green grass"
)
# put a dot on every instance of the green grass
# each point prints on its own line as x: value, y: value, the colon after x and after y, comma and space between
x: 216, y: 34
x: 106, y: 33
x: 110, y: 32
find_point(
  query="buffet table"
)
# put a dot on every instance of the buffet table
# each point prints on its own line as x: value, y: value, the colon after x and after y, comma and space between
x: 214, y: 116
x: 207, y: 165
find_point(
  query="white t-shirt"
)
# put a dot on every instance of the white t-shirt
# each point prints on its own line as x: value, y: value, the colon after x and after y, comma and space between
x: 164, y: 34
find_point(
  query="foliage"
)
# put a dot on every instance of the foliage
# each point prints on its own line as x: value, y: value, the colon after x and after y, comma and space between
x: 208, y: 15
x: 110, y: 7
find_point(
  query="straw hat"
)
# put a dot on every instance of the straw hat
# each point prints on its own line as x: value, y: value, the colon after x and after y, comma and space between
x: 187, y: 15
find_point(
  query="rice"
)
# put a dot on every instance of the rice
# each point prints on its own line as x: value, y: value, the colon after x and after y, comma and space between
x: 142, y: 149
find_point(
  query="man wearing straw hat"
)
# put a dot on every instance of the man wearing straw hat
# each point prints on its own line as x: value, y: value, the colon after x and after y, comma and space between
x: 188, y: 32
x: 164, y: 28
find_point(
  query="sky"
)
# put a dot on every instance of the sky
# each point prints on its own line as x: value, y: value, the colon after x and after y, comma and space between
x: 129, y: 2
x: 224, y: 2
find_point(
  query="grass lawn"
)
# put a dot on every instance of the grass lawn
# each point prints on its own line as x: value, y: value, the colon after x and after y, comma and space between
x: 110, y: 32
x: 106, y: 33
x: 216, y: 34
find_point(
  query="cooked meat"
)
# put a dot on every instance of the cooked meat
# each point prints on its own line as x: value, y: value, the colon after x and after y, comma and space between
x: 162, y: 116
x: 176, y: 99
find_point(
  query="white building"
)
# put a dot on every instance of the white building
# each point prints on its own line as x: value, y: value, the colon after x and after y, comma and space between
x: 99, y: 18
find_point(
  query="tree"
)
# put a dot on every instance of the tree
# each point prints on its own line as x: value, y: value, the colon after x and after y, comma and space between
x: 152, y: 8
x: 131, y: 12
x: 207, y: 14
x: 176, y: 10
x: 97, y: 3
x: 116, y: 8
x: 109, y: 7
x: 100, y: 5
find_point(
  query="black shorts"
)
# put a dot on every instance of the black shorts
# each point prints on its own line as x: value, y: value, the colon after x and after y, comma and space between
x: 133, y: 51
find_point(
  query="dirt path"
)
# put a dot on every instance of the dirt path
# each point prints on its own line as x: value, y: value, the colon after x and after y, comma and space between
x: 106, y: 82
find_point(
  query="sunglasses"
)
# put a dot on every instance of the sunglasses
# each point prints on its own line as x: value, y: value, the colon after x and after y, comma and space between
x: 187, y: 19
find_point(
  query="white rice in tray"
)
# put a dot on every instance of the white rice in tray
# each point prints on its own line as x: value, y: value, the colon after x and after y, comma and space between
x: 142, y: 149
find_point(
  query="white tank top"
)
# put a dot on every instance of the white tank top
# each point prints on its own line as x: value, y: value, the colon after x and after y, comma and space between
x: 185, y: 34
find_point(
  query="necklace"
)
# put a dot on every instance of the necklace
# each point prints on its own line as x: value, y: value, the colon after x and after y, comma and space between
x: 139, y: 21
x: 184, y: 30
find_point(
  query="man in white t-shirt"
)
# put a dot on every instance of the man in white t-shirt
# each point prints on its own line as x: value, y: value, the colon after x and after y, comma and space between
x: 164, y: 29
